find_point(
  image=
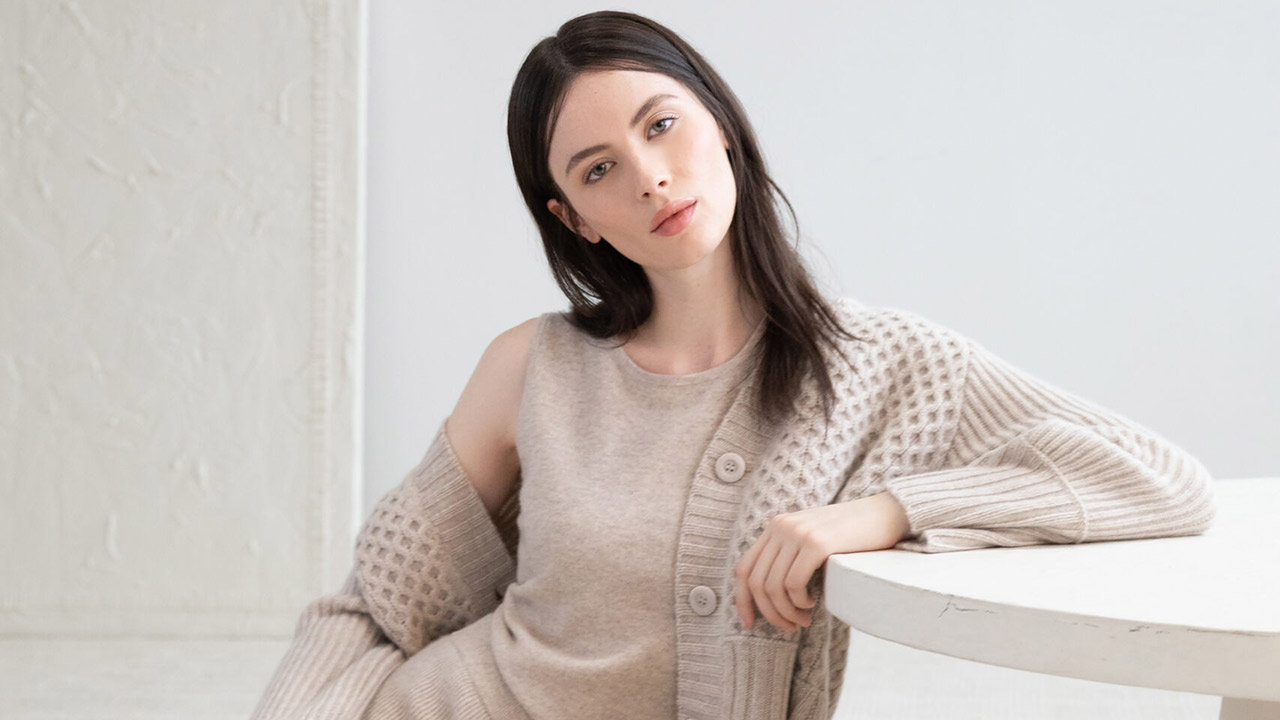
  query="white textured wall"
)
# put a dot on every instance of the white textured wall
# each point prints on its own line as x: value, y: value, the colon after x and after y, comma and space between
x: 181, y: 268
x: 1089, y: 188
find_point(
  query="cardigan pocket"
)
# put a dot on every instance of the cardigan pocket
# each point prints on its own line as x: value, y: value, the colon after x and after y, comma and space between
x: 758, y: 678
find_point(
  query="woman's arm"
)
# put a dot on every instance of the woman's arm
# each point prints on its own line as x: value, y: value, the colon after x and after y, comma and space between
x: 1030, y: 463
x: 431, y: 558
x: 428, y: 561
x: 482, y: 426
x: 437, y: 551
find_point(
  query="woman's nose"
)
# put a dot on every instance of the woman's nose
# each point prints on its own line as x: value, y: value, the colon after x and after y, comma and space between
x: 652, y: 176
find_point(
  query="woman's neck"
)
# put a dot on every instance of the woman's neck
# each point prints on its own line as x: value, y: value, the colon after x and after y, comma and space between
x: 699, y: 320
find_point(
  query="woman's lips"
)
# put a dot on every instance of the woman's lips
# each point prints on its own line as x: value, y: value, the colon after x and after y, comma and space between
x: 677, y: 222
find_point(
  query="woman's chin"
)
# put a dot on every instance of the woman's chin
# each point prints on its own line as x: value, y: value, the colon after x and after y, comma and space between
x: 697, y: 251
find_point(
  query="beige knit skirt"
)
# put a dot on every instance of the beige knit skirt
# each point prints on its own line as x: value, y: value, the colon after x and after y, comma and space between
x: 452, y: 678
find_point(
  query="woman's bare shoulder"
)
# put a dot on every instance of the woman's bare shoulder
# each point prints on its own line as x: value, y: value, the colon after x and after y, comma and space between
x: 482, y: 427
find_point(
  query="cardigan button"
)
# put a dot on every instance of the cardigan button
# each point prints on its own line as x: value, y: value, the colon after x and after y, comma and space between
x: 703, y: 600
x: 730, y: 467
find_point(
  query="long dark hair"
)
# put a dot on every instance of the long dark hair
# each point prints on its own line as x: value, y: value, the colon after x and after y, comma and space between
x: 610, y: 295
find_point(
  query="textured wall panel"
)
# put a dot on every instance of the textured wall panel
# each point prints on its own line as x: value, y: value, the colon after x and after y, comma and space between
x: 181, y: 261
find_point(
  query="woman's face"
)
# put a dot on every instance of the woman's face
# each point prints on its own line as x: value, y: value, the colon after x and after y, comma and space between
x: 626, y: 145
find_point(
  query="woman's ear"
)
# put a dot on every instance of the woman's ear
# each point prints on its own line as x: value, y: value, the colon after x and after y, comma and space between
x: 572, y: 221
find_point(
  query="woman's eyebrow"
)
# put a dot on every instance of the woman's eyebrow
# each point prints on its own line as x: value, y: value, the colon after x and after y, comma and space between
x: 635, y: 120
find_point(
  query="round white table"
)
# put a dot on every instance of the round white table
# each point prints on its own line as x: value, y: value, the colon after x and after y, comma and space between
x: 1196, y: 614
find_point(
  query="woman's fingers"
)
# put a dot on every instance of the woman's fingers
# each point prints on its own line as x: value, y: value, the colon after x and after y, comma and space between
x: 773, y: 575
x: 779, y: 594
x: 757, y: 582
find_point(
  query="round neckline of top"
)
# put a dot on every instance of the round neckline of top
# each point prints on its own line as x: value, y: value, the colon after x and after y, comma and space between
x: 738, y: 358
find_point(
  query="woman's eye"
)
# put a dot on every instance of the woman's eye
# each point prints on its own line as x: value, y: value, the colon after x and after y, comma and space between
x: 662, y: 120
x: 591, y: 173
x: 593, y: 176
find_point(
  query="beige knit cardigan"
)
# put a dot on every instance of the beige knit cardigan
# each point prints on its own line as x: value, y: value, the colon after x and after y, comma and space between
x: 978, y: 452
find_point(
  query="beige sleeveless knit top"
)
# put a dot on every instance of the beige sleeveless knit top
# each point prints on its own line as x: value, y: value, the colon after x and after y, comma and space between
x: 607, y: 451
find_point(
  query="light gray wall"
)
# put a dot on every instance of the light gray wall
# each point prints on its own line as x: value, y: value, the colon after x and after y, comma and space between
x: 1087, y: 188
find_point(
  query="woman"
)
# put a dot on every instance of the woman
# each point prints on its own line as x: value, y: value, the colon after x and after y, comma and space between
x: 685, y: 447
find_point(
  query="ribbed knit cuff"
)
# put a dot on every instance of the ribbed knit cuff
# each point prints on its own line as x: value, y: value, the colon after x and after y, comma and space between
x: 336, y: 661
x: 1014, y: 486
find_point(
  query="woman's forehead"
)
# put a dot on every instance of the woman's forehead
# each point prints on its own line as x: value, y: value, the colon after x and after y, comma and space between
x: 607, y: 96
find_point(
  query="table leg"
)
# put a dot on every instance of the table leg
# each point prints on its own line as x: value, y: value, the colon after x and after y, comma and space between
x: 1241, y: 709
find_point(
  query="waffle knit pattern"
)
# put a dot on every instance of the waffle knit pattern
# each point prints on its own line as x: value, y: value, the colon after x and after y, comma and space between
x: 979, y: 454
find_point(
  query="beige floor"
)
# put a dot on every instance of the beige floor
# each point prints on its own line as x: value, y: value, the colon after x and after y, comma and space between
x: 43, y: 679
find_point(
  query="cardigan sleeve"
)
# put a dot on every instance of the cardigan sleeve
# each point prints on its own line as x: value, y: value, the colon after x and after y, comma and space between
x: 429, y: 560
x: 338, y: 659
x: 430, y: 557
x: 1030, y: 463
